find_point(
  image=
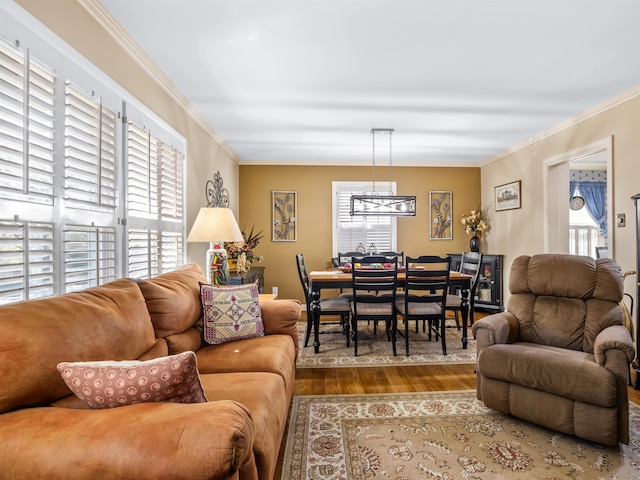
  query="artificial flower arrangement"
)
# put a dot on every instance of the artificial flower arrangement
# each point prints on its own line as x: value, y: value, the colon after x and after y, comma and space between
x: 476, y: 222
x: 243, y: 252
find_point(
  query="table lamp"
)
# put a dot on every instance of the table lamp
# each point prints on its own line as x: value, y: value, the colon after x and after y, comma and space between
x: 216, y: 225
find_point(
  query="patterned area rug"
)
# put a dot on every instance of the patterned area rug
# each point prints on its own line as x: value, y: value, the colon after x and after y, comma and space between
x: 375, y: 350
x: 443, y: 435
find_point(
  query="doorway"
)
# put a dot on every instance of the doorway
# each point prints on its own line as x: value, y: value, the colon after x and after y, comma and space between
x: 576, y: 231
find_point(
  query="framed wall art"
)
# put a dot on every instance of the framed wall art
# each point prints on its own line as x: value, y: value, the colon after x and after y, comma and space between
x: 440, y: 227
x: 508, y: 196
x: 285, y: 211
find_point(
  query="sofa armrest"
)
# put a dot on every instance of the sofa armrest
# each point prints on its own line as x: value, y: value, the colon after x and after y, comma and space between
x: 211, y: 440
x: 281, y: 317
x: 611, y: 339
x: 497, y: 328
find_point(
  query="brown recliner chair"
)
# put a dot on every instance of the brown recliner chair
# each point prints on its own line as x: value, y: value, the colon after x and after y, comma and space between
x: 559, y: 356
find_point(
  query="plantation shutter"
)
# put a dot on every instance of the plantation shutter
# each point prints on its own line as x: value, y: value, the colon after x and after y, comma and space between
x: 171, y: 178
x: 89, y: 256
x: 26, y: 261
x: 66, y: 161
x: 142, y: 173
x: 154, y: 204
x: 144, y: 252
x: 90, y: 179
x: 27, y: 97
x: 27, y: 139
x: 353, y: 231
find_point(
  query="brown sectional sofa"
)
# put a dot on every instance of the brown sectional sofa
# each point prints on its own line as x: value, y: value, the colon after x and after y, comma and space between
x: 46, y: 432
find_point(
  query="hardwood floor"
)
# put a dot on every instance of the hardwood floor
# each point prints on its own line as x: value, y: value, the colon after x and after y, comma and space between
x: 334, y: 381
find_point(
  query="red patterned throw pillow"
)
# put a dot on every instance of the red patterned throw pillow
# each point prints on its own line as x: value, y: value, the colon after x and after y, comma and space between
x: 231, y: 312
x: 108, y: 384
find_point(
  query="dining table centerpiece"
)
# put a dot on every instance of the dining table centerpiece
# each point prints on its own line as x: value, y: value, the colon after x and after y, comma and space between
x: 242, y: 254
x: 475, y: 224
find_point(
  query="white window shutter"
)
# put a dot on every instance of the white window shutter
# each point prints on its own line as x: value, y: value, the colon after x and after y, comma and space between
x: 353, y: 230
x: 89, y: 256
x: 89, y: 152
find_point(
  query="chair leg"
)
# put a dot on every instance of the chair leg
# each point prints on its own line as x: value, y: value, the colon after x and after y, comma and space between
x: 455, y: 312
x: 346, y: 319
x: 394, y: 330
x: 354, y: 327
x: 444, y: 343
x: 406, y: 336
x: 309, y: 327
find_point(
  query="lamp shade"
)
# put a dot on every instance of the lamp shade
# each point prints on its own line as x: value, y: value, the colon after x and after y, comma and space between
x: 215, y: 225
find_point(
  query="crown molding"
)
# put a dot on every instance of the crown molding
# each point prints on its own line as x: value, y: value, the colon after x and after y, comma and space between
x: 592, y: 112
x: 121, y: 37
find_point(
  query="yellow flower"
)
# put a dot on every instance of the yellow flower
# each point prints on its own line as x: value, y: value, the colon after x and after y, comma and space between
x: 476, y: 222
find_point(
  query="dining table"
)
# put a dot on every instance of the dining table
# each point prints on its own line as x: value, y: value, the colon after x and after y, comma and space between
x: 340, y: 278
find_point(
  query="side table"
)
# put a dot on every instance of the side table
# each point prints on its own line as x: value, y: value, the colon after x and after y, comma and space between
x: 254, y: 274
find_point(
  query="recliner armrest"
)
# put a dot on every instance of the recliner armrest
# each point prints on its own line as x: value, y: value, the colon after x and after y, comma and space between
x: 616, y: 337
x: 497, y: 328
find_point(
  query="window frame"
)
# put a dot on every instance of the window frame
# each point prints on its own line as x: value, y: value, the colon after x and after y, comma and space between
x: 360, y: 187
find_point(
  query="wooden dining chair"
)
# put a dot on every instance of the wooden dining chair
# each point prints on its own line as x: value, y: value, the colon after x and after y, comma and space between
x: 368, y: 275
x: 425, y: 295
x: 345, y: 257
x: 340, y: 307
x: 399, y: 255
x: 471, y: 264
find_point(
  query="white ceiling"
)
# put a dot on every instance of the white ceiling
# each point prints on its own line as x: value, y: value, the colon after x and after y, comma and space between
x: 304, y: 81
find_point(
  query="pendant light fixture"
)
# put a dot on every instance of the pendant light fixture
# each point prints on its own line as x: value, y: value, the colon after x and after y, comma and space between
x: 383, y: 204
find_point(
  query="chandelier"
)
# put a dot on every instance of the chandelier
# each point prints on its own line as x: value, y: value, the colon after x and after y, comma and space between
x: 383, y: 203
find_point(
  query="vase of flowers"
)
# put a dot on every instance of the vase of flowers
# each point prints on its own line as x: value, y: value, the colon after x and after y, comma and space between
x: 242, y: 254
x: 476, y: 223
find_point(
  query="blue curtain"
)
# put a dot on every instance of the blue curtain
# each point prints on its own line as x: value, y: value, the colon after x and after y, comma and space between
x: 595, y: 197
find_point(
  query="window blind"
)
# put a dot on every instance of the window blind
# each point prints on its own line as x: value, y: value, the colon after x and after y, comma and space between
x: 377, y: 232
x: 90, y: 178
x: 89, y: 256
x: 66, y: 162
x: 27, y: 96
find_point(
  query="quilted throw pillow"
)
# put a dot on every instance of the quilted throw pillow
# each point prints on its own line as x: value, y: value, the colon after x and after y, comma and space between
x: 231, y: 312
x: 108, y: 384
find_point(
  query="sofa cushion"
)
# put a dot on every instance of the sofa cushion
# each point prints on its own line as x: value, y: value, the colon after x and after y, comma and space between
x: 109, y: 384
x: 173, y: 299
x: 188, y: 340
x: 565, y: 300
x: 265, y: 396
x: 231, y: 312
x: 562, y: 372
x: 106, y: 322
x: 271, y: 353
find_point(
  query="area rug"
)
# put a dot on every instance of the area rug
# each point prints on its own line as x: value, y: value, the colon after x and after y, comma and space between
x: 443, y: 435
x: 375, y: 350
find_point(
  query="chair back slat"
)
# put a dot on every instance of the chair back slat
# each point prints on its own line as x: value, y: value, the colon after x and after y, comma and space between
x: 471, y: 264
x: 398, y: 255
x: 302, y: 273
x: 345, y: 257
x: 369, y: 274
x: 427, y: 278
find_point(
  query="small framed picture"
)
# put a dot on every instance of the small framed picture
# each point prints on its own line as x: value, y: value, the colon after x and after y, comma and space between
x: 440, y: 209
x: 285, y: 211
x: 508, y: 196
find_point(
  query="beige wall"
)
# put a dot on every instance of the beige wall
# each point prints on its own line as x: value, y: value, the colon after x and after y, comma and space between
x: 205, y: 156
x: 519, y: 232
x: 313, y: 185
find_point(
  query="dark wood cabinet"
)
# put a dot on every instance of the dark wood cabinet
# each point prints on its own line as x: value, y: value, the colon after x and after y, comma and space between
x: 489, y: 292
x: 255, y: 274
